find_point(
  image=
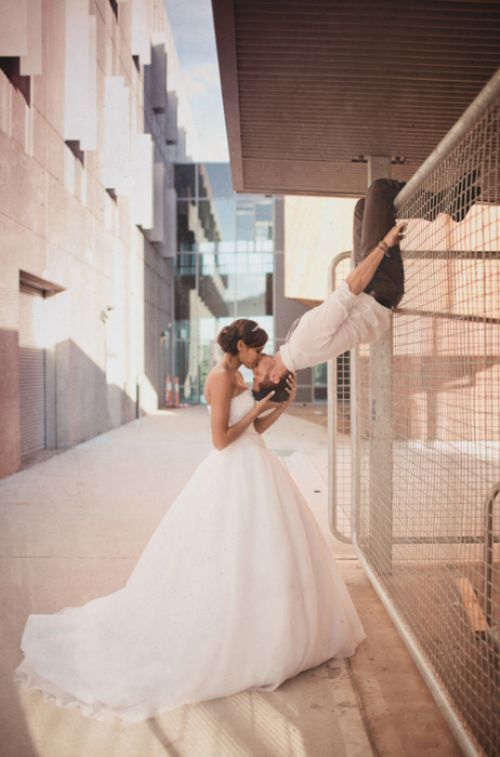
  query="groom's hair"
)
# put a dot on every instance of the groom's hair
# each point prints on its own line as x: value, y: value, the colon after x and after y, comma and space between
x: 280, y: 390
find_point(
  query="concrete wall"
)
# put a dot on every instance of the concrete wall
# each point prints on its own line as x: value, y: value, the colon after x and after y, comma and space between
x: 77, y: 213
x: 316, y: 230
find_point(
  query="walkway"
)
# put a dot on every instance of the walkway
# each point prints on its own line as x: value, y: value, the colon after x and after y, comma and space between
x: 71, y: 529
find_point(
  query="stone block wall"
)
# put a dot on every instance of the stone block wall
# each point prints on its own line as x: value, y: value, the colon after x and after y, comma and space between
x: 81, y: 217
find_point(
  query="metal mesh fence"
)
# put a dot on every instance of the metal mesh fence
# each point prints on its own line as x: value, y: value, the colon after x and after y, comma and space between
x: 426, y: 469
x: 339, y: 422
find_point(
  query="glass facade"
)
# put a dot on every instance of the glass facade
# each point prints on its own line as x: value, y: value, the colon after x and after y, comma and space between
x: 224, y: 267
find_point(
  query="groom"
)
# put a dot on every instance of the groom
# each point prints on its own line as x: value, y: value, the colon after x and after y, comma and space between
x: 359, y: 310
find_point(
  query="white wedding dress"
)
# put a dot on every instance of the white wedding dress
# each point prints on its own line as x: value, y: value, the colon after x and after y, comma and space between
x: 236, y: 589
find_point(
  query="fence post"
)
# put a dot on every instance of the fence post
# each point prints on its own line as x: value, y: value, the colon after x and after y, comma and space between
x: 381, y: 431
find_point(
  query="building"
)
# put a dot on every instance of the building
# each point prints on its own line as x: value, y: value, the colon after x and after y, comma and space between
x: 92, y: 120
x: 230, y: 264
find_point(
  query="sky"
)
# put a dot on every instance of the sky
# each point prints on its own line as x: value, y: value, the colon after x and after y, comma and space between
x: 192, y: 26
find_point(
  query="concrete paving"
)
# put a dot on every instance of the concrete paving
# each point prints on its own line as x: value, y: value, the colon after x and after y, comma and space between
x: 73, y: 526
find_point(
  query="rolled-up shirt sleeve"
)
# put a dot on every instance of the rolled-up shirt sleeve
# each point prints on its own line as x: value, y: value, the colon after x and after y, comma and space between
x: 287, y: 357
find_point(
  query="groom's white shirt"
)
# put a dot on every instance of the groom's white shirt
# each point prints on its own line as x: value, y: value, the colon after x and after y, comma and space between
x: 341, y: 322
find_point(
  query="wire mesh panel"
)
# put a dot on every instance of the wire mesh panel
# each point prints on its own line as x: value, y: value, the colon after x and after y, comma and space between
x: 428, y: 513
x: 339, y: 422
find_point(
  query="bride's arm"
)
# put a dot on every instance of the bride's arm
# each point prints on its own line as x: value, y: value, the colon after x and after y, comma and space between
x: 263, y: 423
x: 220, y: 400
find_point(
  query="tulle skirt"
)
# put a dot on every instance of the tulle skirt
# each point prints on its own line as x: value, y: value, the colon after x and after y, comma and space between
x: 235, y: 589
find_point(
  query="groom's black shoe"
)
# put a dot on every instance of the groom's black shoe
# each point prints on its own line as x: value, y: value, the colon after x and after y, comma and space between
x: 388, y: 284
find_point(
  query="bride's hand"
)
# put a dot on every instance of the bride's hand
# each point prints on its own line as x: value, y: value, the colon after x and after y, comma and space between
x: 263, y: 404
x: 291, y: 389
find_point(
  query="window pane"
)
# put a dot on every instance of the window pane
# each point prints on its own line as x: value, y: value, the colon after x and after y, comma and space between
x: 264, y: 210
x: 254, y: 295
x: 215, y: 180
x: 207, y: 247
x: 264, y: 245
x: 186, y: 226
x: 214, y: 285
x: 185, y: 284
x: 244, y: 245
x: 245, y: 219
x: 224, y: 267
x: 184, y: 180
x: 217, y: 218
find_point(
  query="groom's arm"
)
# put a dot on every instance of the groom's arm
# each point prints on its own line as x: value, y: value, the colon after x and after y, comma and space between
x: 329, y: 330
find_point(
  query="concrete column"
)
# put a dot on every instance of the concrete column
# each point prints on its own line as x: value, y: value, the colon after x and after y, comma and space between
x: 381, y: 431
x: 379, y: 167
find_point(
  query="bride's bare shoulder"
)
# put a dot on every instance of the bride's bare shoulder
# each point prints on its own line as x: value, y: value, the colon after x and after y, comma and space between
x: 218, y: 381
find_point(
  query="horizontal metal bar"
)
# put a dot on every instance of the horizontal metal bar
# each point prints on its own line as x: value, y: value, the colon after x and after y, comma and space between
x: 470, y: 117
x: 441, y: 539
x: 451, y: 255
x: 448, y: 316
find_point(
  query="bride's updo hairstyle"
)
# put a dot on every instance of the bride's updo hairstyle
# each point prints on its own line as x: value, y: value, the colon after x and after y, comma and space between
x: 248, y: 331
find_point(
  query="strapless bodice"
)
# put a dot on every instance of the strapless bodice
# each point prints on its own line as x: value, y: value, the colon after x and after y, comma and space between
x: 240, y: 406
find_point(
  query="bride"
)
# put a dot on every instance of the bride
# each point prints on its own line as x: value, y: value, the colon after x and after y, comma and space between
x: 236, y: 588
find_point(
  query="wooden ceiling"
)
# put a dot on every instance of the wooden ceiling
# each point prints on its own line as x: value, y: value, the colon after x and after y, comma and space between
x: 311, y: 88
